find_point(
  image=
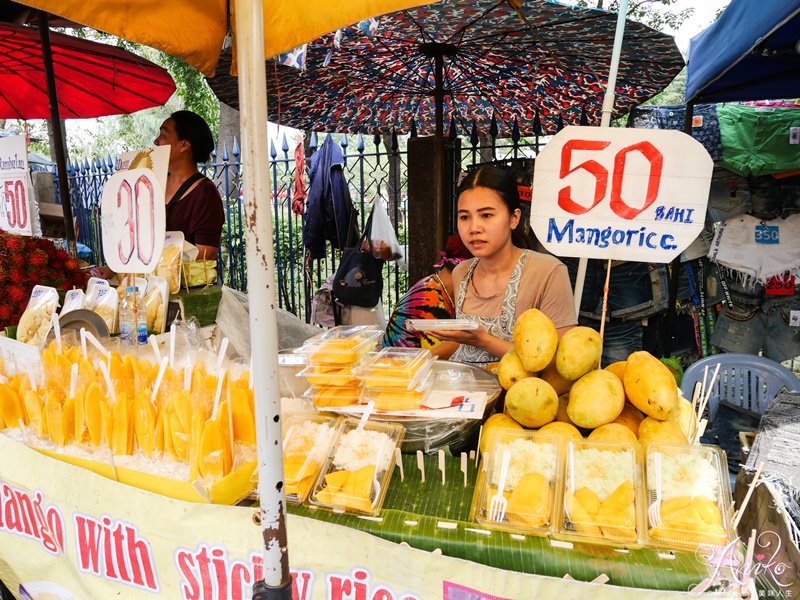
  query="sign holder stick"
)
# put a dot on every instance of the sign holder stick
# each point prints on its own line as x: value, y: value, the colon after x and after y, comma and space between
x: 605, y: 121
x: 605, y: 309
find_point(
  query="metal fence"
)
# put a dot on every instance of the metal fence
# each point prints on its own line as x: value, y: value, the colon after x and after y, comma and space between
x: 373, y: 170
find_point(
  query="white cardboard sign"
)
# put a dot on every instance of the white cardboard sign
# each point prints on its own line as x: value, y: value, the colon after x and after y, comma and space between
x: 623, y: 194
x: 15, y: 192
x: 134, y: 221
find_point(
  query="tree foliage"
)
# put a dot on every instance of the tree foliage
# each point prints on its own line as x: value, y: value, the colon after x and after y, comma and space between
x: 658, y: 14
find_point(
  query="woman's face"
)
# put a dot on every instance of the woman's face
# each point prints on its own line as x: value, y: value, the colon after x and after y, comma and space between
x: 167, y: 136
x: 484, y: 221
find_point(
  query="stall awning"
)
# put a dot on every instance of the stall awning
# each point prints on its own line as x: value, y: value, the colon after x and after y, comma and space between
x: 752, y: 52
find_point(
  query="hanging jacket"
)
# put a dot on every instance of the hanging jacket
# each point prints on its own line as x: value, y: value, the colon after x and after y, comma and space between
x: 330, y: 214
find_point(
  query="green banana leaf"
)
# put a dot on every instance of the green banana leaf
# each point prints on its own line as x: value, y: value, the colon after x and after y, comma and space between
x: 413, y: 511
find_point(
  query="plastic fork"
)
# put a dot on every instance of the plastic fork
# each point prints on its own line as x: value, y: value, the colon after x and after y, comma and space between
x: 498, y: 503
x: 654, y: 510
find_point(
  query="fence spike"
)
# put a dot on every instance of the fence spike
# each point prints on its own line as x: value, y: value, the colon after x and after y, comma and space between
x: 413, y: 128
x: 273, y: 154
x: 285, y: 144
x: 494, y: 129
x: 360, y: 144
x: 86, y: 166
x: 214, y: 153
x: 452, y: 134
x: 473, y: 136
x: 344, y: 141
x: 225, y: 155
x: 110, y: 162
x: 515, y: 136
x: 537, y: 125
x: 376, y: 139
x: 584, y: 117
x: 314, y: 143
x: 395, y: 144
x: 235, y: 151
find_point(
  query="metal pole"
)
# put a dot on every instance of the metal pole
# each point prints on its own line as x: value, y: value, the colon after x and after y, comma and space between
x: 58, y: 138
x: 605, y: 121
x: 277, y: 583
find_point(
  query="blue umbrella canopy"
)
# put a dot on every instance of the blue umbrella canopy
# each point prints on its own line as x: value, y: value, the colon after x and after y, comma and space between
x: 752, y: 52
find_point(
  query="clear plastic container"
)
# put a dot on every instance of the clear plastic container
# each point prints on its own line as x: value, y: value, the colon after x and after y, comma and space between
x: 688, y: 496
x: 334, y: 395
x: 356, y: 475
x: 600, y: 500
x: 327, y: 375
x: 397, y: 363
x: 531, y: 483
x: 341, y: 346
x: 442, y: 325
x: 307, y: 442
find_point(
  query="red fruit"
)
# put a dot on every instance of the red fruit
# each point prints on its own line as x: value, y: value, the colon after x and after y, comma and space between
x: 71, y: 264
x: 14, y: 242
x: 38, y: 258
x: 17, y: 294
x: 61, y: 254
x: 6, y: 312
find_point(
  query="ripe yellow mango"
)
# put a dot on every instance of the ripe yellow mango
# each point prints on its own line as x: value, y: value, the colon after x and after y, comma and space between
x: 613, y: 432
x: 650, y: 385
x: 653, y: 430
x: 510, y: 370
x: 535, y: 339
x: 595, y: 399
x: 578, y: 352
x: 631, y: 417
x: 551, y: 375
x: 532, y: 402
x: 529, y: 502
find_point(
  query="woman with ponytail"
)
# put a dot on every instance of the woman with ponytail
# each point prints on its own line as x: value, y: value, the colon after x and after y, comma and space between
x: 506, y: 277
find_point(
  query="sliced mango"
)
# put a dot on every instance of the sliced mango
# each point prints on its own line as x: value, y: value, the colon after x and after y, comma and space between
x: 244, y: 422
x: 210, y: 459
x: 11, y: 406
x: 530, y: 501
x: 180, y: 437
x: 92, y: 400
x: 588, y: 500
x: 145, y: 423
x: 36, y: 417
x: 581, y: 520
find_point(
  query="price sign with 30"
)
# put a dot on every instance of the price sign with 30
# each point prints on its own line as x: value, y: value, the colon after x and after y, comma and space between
x: 134, y: 221
x: 627, y: 194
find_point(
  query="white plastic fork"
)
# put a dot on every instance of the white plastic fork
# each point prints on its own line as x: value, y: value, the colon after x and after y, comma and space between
x: 654, y: 510
x: 498, y: 503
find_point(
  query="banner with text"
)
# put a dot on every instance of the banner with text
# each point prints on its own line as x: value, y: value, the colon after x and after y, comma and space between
x: 69, y: 534
x: 624, y: 194
x: 15, y: 189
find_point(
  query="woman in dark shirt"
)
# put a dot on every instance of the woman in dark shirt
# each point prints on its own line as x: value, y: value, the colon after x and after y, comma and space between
x: 194, y: 205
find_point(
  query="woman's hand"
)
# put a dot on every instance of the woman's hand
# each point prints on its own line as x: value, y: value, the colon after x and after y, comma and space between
x: 103, y: 272
x: 480, y: 338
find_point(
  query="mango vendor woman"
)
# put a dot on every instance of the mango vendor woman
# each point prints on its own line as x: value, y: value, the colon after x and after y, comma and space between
x: 505, y: 278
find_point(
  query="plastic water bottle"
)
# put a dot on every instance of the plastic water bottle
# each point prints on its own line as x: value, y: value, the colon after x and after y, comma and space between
x: 132, y: 319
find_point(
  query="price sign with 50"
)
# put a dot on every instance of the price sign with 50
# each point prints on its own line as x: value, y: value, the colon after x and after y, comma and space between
x: 15, y: 210
x: 624, y: 194
x: 133, y: 221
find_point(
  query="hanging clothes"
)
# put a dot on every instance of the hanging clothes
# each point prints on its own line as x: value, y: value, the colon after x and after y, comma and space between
x: 330, y: 214
x: 299, y: 194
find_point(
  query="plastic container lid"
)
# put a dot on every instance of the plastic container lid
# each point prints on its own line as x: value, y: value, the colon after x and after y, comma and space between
x: 688, y: 496
x: 356, y: 475
x: 329, y: 375
x: 307, y: 442
x: 442, y: 325
x: 422, y: 379
x: 530, y: 487
x: 394, y: 399
x: 340, y: 345
x: 600, y: 500
x: 397, y: 363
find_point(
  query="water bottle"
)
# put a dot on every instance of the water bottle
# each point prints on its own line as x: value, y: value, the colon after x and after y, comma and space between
x: 132, y: 319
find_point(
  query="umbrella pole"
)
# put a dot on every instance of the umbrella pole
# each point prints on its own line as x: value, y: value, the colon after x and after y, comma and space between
x: 605, y: 121
x: 58, y: 138
x: 439, y: 164
x: 249, y: 23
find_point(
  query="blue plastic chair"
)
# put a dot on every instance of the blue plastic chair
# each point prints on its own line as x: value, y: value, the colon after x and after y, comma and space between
x: 744, y: 381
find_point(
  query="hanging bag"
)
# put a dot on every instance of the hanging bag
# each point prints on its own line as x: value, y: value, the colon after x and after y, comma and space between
x: 382, y: 239
x: 359, y: 278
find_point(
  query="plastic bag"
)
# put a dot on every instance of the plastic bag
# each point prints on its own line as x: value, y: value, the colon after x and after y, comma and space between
x: 169, y: 266
x: 35, y: 322
x: 155, y: 303
x: 383, y: 241
x: 73, y: 300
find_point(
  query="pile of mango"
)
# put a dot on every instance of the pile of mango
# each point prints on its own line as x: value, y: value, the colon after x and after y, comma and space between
x: 179, y: 424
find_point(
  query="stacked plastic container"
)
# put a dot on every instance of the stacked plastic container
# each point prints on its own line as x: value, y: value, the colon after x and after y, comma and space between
x: 397, y: 379
x: 307, y: 443
x: 332, y: 359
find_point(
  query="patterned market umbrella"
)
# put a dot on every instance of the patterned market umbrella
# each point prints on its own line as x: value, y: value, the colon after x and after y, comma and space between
x: 540, y: 59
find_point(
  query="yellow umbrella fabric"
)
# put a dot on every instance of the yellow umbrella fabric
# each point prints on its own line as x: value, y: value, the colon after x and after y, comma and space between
x: 194, y: 30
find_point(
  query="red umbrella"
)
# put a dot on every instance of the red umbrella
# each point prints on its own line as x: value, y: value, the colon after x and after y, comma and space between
x: 50, y: 75
x: 92, y: 79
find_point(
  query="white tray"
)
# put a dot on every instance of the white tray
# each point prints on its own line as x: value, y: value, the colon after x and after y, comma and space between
x: 442, y: 325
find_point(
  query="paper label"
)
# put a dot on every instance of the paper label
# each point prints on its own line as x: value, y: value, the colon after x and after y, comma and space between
x: 780, y: 285
x: 768, y: 234
x: 794, y: 135
x: 794, y: 318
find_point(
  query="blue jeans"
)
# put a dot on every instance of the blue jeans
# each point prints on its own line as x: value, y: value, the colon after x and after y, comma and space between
x: 750, y: 330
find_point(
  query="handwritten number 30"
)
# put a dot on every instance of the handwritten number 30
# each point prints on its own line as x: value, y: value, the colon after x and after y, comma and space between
x: 600, y: 174
x: 134, y: 198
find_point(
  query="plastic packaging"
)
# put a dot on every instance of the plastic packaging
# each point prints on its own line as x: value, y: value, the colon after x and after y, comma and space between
x: 35, y: 322
x: 530, y: 487
x: 169, y: 265
x: 341, y: 346
x: 132, y: 318
x: 73, y: 300
x: 105, y: 302
x: 324, y: 375
x: 382, y: 238
x: 307, y: 442
x: 155, y: 303
x: 601, y: 501
x: 688, y: 496
x: 441, y: 324
x: 356, y: 475
x: 397, y: 367
x: 334, y: 395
